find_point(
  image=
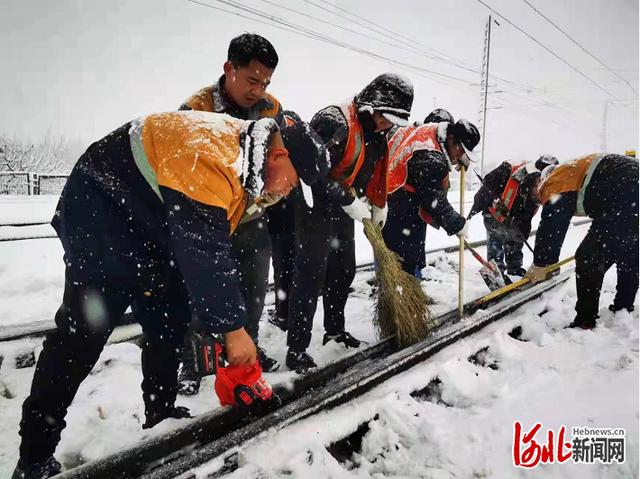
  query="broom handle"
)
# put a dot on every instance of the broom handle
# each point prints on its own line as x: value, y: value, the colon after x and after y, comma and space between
x: 461, y: 250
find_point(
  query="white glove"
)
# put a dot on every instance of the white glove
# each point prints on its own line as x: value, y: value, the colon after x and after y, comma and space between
x: 537, y: 273
x: 358, y: 210
x: 463, y: 233
x: 379, y: 215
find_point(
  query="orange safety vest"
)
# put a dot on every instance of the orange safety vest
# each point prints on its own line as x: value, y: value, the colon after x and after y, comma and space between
x: 510, y: 192
x: 401, y: 147
x: 346, y: 171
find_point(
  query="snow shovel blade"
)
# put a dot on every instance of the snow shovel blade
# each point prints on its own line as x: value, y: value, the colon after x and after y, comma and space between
x: 492, y: 276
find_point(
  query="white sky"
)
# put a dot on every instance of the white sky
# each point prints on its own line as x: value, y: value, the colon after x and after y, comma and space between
x: 81, y: 68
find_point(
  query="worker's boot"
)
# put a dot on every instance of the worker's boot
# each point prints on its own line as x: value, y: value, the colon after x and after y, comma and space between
x: 38, y: 470
x: 300, y: 362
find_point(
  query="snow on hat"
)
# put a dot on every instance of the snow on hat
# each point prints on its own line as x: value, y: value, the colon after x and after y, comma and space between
x: 390, y: 95
x: 439, y: 115
x: 306, y: 152
x: 545, y: 160
x: 546, y: 172
x: 255, y: 149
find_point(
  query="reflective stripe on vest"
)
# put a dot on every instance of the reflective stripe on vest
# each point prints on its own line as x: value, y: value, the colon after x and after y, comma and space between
x: 509, y: 193
x: 585, y: 183
x: 346, y: 171
x: 403, y: 144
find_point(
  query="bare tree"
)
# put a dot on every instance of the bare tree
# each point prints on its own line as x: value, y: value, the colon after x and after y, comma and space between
x: 52, y: 154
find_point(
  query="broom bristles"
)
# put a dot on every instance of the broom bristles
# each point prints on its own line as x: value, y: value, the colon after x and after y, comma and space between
x: 401, y: 304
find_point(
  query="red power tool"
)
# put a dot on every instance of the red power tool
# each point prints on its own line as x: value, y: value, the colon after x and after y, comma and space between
x: 240, y: 385
x: 243, y: 386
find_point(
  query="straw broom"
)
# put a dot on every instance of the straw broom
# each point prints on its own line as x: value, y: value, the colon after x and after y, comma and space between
x: 401, y: 305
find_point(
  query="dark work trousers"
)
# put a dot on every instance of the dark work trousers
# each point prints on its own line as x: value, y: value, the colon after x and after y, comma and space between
x: 112, y: 262
x: 405, y: 232
x: 501, y: 246
x: 251, y: 250
x: 608, y: 242
x: 324, y: 256
x: 251, y: 247
x: 281, y: 231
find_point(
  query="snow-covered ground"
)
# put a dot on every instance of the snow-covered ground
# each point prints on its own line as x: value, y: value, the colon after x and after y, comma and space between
x: 557, y: 377
x: 32, y: 271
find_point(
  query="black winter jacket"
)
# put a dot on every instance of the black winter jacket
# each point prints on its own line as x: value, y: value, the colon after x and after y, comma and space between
x: 426, y: 170
x: 611, y: 197
x: 331, y: 125
x: 523, y: 209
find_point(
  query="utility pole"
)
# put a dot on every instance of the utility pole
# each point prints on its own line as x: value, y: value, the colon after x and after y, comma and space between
x: 603, y: 144
x: 484, y: 85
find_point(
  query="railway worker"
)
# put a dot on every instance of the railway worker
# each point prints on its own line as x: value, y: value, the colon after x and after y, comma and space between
x: 603, y: 187
x: 281, y: 232
x: 241, y: 93
x: 508, y: 201
x: 420, y: 158
x: 144, y: 220
x: 324, y: 231
x: 405, y: 231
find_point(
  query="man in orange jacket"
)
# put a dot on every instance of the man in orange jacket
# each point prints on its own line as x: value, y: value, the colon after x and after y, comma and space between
x: 144, y: 220
x: 241, y: 93
x: 603, y: 187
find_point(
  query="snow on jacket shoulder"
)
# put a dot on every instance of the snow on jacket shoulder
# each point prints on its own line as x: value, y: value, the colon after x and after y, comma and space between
x: 194, y: 153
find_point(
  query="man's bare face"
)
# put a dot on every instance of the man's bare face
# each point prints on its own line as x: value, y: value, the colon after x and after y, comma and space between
x: 246, y: 85
x: 454, y: 150
x: 381, y: 123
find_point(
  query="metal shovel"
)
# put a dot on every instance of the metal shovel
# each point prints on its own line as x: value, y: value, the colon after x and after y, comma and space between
x: 490, y: 272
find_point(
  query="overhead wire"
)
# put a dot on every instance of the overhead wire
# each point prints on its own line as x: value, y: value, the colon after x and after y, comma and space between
x: 580, y: 45
x: 425, y: 72
x: 291, y: 27
x: 407, y: 47
x: 381, y: 30
x: 446, y: 58
x: 531, y: 37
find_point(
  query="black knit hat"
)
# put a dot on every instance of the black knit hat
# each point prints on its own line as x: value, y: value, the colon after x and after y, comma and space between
x: 306, y: 152
x: 390, y: 95
x: 439, y: 115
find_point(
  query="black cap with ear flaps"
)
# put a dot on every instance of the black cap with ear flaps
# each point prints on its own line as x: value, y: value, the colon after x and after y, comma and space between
x: 465, y: 133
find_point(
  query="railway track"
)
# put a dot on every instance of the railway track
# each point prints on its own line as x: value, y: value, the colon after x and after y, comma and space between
x: 218, y: 434
x: 41, y: 328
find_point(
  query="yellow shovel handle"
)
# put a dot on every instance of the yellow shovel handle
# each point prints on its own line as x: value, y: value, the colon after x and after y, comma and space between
x: 521, y: 282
